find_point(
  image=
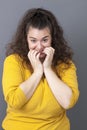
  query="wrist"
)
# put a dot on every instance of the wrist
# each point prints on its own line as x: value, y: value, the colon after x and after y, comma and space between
x: 38, y: 73
x: 47, y: 69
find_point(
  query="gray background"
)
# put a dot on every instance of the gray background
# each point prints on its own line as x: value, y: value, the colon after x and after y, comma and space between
x: 72, y: 15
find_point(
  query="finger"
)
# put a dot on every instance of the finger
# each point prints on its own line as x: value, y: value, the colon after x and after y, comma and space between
x: 38, y: 55
x: 35, y: 53
x: 29, y: 54
x: 47, y: 51
x: 50, y: 49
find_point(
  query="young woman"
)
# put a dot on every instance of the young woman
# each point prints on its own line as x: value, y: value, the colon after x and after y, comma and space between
x: 39, y: 76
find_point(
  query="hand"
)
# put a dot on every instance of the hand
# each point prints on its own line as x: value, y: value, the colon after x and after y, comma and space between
x: 33, y: 56
x: 49, y: 51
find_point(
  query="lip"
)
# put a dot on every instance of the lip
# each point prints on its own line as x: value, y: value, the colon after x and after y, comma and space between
x: 42, y: 54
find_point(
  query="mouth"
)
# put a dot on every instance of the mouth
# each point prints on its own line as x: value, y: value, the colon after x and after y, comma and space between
x: 42, y: 54
x: 42, y: 57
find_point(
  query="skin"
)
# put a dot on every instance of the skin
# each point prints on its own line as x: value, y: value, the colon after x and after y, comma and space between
x: 41, y: 56
x: 41, y: 53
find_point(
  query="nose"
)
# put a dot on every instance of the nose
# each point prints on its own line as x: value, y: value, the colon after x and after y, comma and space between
x: 40, y: 47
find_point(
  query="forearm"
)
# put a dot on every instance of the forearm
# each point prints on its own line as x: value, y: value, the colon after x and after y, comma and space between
x: 60, y: 90
x: 30, y: 84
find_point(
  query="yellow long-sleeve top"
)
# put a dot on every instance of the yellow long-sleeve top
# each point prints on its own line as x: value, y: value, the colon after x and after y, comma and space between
x: 42, y: 111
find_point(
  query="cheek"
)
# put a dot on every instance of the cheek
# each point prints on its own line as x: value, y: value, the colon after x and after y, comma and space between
x: 48, y: 44
x: 31, y: 46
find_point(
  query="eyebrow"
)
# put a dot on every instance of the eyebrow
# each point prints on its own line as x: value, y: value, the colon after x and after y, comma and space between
x: 36, y: 38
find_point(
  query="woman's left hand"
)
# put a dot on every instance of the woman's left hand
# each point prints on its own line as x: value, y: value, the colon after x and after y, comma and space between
x: 49, y: 51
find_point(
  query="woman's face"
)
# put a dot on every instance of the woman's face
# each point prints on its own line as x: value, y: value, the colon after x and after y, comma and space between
x: 39, y: 39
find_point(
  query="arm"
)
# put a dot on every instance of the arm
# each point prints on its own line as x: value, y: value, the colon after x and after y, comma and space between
x: 31, y: 83
x: 65, y: 90
x: 11, y: 79
x: 16, y: 90
x: 29, y: 86
x: 60, y: 90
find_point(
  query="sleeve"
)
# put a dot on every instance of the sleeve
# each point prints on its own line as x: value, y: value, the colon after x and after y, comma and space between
x: 69, y: 76
x: 11, y: 79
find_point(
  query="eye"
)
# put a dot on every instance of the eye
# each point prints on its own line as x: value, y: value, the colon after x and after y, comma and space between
x: 45, y: 40
x: 33, y: 41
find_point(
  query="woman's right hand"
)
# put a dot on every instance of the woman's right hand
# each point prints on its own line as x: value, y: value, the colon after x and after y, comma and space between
x: 33, y: 56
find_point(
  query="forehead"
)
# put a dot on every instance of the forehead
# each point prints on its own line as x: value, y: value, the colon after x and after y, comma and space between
x: 38, y: 32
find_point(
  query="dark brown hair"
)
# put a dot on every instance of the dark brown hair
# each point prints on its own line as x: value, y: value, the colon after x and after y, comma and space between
x: 40, y: 18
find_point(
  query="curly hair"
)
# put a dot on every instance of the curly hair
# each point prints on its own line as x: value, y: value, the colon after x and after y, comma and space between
x: 40, y: 18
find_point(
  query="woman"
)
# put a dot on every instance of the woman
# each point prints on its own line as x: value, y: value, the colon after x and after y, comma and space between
x: 39, y: 75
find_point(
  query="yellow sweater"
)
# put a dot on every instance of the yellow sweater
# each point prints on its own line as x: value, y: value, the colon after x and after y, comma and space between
x: 42, y: 111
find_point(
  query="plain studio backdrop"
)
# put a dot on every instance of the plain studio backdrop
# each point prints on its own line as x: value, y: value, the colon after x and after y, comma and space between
x: 72, y: 15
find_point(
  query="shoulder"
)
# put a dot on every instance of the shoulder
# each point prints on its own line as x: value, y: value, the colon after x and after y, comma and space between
x: 66, y: 66
x: 13, y: 60
x: 63, y: 68
x: 13, y: 57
